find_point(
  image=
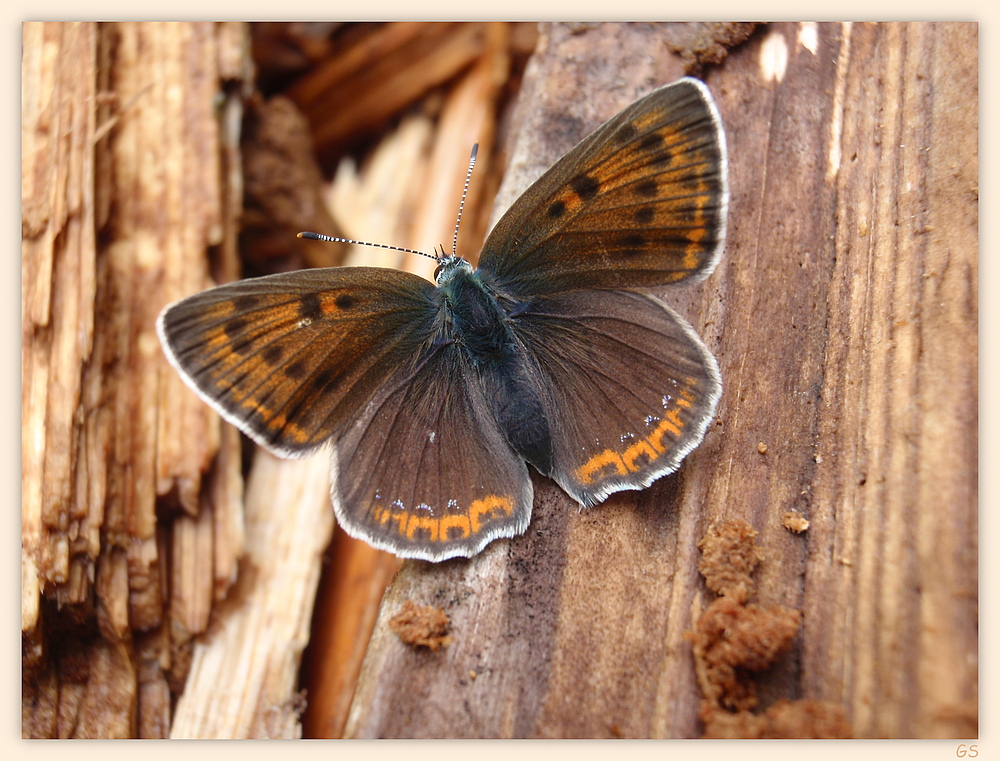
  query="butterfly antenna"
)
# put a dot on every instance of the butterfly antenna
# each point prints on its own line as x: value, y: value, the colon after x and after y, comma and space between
x: 334, y: 239
x: 465, y: 192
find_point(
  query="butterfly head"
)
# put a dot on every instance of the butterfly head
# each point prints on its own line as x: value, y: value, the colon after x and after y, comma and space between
x: 449, y: 266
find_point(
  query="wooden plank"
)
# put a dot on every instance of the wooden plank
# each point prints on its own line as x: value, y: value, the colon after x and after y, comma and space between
x: 844, y: 317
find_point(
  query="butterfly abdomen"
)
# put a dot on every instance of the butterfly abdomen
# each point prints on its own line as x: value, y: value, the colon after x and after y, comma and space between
x: 481, y: 326
x: 514, y: 398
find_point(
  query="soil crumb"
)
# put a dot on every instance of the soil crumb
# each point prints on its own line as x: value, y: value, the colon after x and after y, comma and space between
x: 734, y: 639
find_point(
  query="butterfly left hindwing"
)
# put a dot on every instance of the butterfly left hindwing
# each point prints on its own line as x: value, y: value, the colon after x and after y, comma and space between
x: 425, y: 471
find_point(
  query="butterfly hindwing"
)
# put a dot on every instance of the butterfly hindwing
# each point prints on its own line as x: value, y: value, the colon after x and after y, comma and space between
x: 425, y: 471
x: 629, y: 387
x: 640, y: 202
x: 291, y: 358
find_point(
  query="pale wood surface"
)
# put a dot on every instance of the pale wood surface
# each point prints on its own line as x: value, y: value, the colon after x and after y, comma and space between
x: 844, y: 315
x: 129, y: 536
x: 244, y: 671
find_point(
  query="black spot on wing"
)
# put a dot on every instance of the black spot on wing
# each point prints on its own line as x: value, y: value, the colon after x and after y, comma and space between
x: 310, y: 307
x: 626, y: 133
x: 633, y: 244
x: 246, y: 302
x: 585, y: 186
x: 272, y: 354
x: 663, y: 157
x: 651, y: 142
x: 234, y: 328
x: 644, y: 215
x: 296, y: 370
x: 326, y: 380
x: 647, y: 189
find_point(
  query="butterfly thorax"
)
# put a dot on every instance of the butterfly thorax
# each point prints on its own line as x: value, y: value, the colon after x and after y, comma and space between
x: 510, y: 381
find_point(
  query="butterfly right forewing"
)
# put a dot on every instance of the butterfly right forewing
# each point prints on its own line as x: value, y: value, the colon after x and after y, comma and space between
x: 640, y: 202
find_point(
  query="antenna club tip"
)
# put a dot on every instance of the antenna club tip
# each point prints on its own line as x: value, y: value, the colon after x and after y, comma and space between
x: 475, y: 149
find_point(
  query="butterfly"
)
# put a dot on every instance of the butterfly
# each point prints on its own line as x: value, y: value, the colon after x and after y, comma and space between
x: 435, y: 397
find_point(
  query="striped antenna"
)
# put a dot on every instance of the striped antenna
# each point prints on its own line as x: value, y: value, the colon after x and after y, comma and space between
x: 465, y: 192
x: 334, y: 239
x: 436, y: 256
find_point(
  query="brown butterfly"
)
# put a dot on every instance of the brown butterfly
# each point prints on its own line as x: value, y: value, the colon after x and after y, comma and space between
x: 436, y: 396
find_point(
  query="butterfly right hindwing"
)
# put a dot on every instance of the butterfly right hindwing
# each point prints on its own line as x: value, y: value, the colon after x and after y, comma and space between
x: 629, y: 387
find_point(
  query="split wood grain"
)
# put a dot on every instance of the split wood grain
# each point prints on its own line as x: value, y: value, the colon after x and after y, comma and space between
x: 244, y: 673
x: 123, y: 166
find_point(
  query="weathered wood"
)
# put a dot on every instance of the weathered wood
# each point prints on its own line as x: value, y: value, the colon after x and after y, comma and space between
x: 352, y: 94
x: 58, y: 268
x: 844, y: 316
x: 244, y: 671
x: 127, y: 183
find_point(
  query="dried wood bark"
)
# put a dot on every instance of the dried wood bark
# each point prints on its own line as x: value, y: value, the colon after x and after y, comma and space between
x: 844, y: 315
x: 128, y: 181
x: 360, y: 90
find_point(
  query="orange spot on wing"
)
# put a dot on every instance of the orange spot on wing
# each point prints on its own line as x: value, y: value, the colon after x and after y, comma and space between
x: 637, y: 450
x: 439, y: 529
x: 487, y: 508
x: 456, y: 521
x: 652, y: 447
x: 417, y: 522
x: 597, y: 463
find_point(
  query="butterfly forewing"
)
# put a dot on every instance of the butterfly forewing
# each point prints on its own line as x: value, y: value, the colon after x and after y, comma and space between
x: 640, y: 202
x: 630, y: 389
x: 290, y: 358
x: 425, y: 471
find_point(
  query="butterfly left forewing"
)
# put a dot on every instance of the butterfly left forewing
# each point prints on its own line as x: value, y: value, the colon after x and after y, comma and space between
x: 291, y: 358
x: 642, y: 201
x: 629, y: 389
